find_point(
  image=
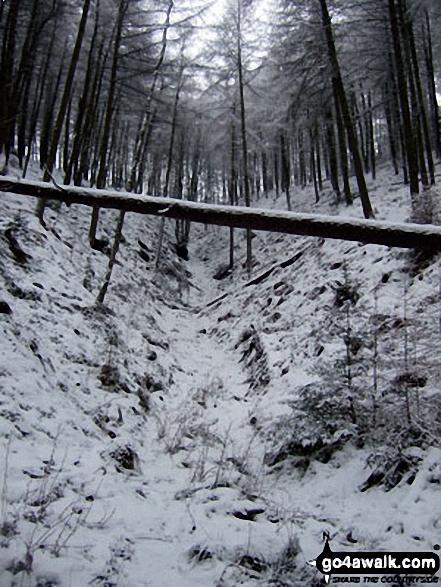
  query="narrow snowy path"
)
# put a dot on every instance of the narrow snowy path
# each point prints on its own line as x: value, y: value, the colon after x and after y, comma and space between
x: 195, y: 470
x: 212, y: 377
x: 196, y: 442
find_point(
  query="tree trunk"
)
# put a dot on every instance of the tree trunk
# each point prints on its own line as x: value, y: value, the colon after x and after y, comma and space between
x: 318, y: 158
x: 50, y: 161
x: 112, y: 259
x: 108, y: 116
x: 169, y: 163
x: 264, y: 173
x: 22, y: 83
x: 390, y: 126
x: 7, y: 79
x: 428, y: 54
x: 363, y: 130
x: 414, y: 103
x: 39, y: 93
x: 404, y: 235
x: 352, y: 137
x: 332, y: 156
x: 342, y: 146
x: 66, y: 140
x: 276, y: 172
x: 421, y: 107
x: 371, y: 145
x: 246, y: 181
x: 83, y: 106
x: 408, y: 136
x: 233, y: 180
x: 91, y: 119
x: 110, y: 104
x: 285, y: 168
x: 146, y: 125
x: 312, y: 143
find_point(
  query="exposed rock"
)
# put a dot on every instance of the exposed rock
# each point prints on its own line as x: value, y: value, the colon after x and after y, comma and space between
x: 19, y: 255
x: 5, y: 307
x: 222, y: 272
x: 126, y: 457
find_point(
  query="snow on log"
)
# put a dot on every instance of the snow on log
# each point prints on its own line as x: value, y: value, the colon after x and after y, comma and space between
x: 418, y: 236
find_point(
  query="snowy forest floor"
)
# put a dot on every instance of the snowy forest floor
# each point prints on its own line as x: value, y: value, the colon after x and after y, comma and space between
x: 166, y: 439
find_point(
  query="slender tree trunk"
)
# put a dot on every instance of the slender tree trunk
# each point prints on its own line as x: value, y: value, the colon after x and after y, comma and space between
x: 332, y: 156
x: 112, y: 259
x: 371, y: 146
x: 397, y: 118
x: 409, y: 139
x: 246, y: 180
x: 50, y: 161
x: 110, y: 104
x: 169, y: 163
x: 108, y: 116
x: 22, y: 118
x: 318, y: 158
x: 174, y: 123
x: 66, y: 92
x: 413, y: 96
x: 276, y: 171
x: 7, y: 79
x: 194, y: 179
x: 2, y: 10
x: 33, y: 123
x: 83, y: 106
x: 342, y: 147
x: 146, y: 125
x: 66, y: 140
x: 233, y: 179
x: 22, y: 83
x: 312, y: 159
x: 421, y: 106
x: 363, y: 131
x: 361, y: 128
x: 51, y: 91
x: 391, y: 127
x: 285, y: 168
x: 352, y: 137
x: 39, y: 93
x: 301, y: 159
x: 265, y: 173
x: 256, y: 171
x: 435, y: 118
x: 92, y: 121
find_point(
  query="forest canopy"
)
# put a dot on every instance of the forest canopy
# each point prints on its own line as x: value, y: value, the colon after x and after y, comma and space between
x: 222, y: 101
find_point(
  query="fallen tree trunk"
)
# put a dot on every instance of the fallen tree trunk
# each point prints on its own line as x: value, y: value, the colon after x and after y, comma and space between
x: 367, y: 231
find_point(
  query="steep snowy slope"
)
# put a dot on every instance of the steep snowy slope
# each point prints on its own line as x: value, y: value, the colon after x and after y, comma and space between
x: 162, y: 439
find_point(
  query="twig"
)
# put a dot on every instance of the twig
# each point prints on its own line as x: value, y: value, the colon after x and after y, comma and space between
x: 54, y: 181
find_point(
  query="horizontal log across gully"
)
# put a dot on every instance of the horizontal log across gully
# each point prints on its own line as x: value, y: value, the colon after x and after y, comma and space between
x: 402, y: 235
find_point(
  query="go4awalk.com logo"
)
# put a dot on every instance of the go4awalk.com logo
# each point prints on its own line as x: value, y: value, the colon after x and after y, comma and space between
x: 407, y: 567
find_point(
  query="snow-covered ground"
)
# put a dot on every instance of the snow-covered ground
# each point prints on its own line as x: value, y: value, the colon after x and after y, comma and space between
x: 166, y: 439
